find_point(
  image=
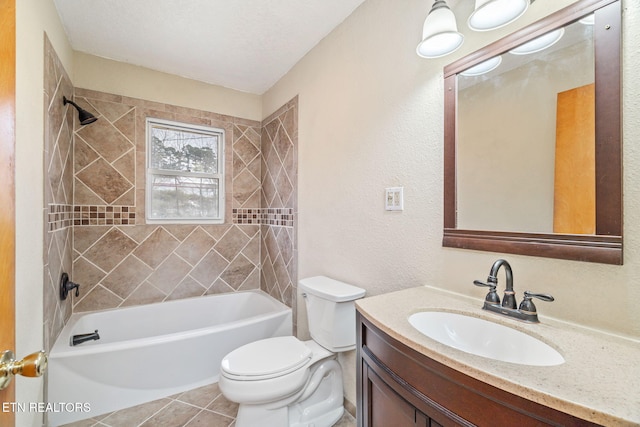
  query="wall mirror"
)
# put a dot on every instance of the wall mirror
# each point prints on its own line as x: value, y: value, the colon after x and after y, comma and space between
x: 533, y: 160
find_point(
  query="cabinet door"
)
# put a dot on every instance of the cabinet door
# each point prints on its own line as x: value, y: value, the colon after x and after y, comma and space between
x: 384, y: 407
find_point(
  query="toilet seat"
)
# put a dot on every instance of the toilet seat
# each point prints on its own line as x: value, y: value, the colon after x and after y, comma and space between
x: 265, y: 359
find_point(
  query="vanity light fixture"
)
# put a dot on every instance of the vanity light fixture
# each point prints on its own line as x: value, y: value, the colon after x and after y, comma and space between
x: 84, y: 116
x: 440, y: 34
x: 483, y: 67
x: 539, y: 43
x: 492, y: 14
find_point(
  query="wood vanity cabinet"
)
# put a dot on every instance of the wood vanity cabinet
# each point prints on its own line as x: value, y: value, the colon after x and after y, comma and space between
x: 400, y: 387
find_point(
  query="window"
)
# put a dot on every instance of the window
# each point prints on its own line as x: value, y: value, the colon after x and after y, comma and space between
x: 185, y: 173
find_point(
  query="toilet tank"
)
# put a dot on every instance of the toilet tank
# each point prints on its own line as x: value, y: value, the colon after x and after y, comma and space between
x: 331, y: 311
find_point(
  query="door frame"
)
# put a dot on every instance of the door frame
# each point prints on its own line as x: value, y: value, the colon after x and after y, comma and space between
x: 7, y: 192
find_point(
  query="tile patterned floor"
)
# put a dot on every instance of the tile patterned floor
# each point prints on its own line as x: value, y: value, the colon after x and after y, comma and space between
x: 203, y: 407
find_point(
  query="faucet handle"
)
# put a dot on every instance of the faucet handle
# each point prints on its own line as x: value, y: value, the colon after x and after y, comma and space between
x: 528, y: 305
x: 492, y: 297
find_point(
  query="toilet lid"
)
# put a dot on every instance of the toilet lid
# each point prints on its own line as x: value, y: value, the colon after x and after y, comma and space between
x: 266, y: 358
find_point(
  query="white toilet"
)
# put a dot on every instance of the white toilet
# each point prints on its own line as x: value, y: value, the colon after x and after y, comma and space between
x: 283, y: 381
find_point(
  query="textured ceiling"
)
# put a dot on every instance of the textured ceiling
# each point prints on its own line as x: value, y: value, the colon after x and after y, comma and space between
x: 246, y: 45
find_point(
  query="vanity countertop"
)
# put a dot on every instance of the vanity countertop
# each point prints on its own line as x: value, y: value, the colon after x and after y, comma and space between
x: 599, y: 381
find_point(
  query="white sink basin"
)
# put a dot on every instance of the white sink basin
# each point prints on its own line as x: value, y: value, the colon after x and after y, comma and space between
x: 484, y: 338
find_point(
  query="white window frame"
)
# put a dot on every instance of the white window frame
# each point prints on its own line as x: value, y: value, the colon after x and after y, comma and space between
x: 150, y: 172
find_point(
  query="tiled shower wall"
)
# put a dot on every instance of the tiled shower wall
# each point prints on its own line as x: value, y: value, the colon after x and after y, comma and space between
x: 121, y: 261
x: 94, y: 201
x: 58, y: 192
x: 279, y: 149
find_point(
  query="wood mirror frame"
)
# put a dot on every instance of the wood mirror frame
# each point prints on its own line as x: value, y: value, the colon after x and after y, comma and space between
x: 605, y: 246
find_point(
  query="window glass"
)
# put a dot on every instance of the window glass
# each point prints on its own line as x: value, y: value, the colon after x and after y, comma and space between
x: 184, y: 173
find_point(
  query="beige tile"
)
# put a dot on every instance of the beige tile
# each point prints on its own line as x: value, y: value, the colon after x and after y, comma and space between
x: 106, y: 139
x: 83, y: 195
x: 219, y: 287
x: 224, y: 406
x: 201, y: 396
x: 186, y: 289
x: 104, y: 180
x: 83, y: 154
x: 156, y: 248
x: 238, y: 271
x: 244, y: 186
x: 167, y: 276
x: 246, y: 149
x: 87, y: 274
x: 252, y: 281
x: 180, y: 231
x: 209, y: 268
x: 82, y: 423
x: 135, y: 415
x: 127, y: 125
x: 231, y: 243
x: 126, y: 165
x: 194, y: 247
x: 210, y: 419
x: 112, y: 111
x: 126, y: 277
x: 175, y: 414
x: 110, y: 250
x: 146, y: 293
x: 98, y: 299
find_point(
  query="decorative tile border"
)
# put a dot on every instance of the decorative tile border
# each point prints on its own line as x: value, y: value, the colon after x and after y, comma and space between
x: 104, y: 215
x: 59, y: 217
x: 63, y: 216
x: 282, y: 217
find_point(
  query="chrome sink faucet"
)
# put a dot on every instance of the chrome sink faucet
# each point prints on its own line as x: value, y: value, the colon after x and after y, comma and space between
x: 526, y: 311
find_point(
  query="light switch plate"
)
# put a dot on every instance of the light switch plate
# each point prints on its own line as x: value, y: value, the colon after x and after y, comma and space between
x: 394, y: 200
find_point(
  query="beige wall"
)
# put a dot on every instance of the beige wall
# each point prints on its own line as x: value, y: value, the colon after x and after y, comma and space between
x: 119, y: 78
x: 371, y: 116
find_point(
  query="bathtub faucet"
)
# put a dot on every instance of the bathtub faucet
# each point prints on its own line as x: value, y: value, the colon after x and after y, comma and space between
x: 79, y: 339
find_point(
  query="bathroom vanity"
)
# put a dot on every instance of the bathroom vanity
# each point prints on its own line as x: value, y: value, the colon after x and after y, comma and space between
x: 408, y: 379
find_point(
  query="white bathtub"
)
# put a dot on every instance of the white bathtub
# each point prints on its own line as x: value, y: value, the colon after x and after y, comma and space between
x: 152, y: 351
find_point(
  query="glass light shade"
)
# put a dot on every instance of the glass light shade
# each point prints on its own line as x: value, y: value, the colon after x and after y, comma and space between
x: 483, y: 67
x: 492, y: 14
x: 539, y: 43
x: 440, y: 34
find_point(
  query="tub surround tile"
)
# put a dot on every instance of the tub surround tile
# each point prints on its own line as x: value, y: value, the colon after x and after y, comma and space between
x: 209, y: 268
x: 187, y: 288
x: 146, y: 293
x: 195, y: 246
x: 96, y: 186
x: 169, y: 274
x: 157, y: 247
x: 104, y: 181
x: 110, y: 250
x: 58, y: 192
x: 231, y: 243
x: 126, y: 277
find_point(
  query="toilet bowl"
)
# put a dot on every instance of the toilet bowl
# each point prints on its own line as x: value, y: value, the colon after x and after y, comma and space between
x: 286, y: 382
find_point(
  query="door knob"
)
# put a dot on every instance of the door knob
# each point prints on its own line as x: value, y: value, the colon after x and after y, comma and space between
x: 33, y: 365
